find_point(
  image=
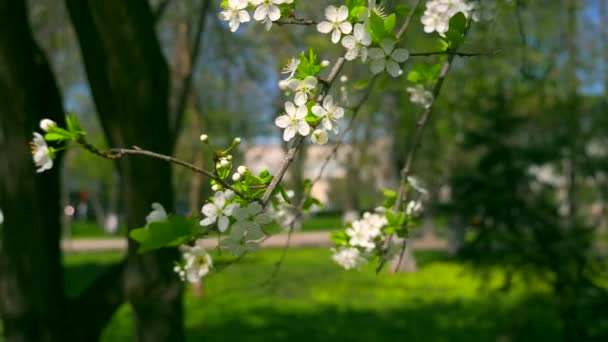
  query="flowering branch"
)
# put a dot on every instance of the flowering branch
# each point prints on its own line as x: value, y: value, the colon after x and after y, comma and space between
x: 118, y: 153
x: 407, y: 167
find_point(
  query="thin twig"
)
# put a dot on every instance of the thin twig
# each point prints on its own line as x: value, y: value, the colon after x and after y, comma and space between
x: 419, y: 133
x: 119, y: 153
x: 455, y: 53
x: 408, y: 20
x: 296, y: 21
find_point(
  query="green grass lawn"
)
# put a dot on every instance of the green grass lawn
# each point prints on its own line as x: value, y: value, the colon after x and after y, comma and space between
x: 311, y: 299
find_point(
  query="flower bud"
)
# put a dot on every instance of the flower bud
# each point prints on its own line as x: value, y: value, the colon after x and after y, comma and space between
x: 237, y: 141
x: 224, y: 163
x: 325, y: 63
x: 216, y: 187
x: 229, y: 157
x: 236, y: 177
x: 242, y: 169
x: 204, y: 138
x: 343, y: 78
x: 46, y: 124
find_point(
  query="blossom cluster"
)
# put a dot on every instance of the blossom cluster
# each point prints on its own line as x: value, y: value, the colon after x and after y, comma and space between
x: 42, y: 154
x: 264, y: 11
x: 436, y: 17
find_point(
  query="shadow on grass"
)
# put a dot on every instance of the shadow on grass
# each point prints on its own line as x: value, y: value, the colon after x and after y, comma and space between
x: 441, y: 321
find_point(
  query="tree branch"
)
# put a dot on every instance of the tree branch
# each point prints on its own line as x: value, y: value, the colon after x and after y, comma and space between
x: 456, y: 53
x: 118, y: 153
x: 416, y: 141
x: 296, y: 21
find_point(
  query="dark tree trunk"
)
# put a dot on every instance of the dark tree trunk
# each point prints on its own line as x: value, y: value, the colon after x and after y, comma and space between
x: 31, y: 285
x: 32, y: 301
x: 129, y: 80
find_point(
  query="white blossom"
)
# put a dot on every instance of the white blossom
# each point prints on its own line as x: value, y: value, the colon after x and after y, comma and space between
x: 235, y: 13
x: 336, y: 22
x: 157, y: 214
x: 197, y: 264
x: 357, y: 43
x: 414, y: 208
x: 290, y: 68
x: 249, y: 222
x: 303, y: 88
x: 360, y: 235
x: 329, y: 113
x: 421, y: 96
x: 293, y: 121
x: 204, y: 138
x: 436, y: 17
x: 218, y: 210
x: 46, y: 124
x: 417, y: 184
x: 319, y: 137
x: 348, y: 258
x: 387, y: 58
x: 41, y: 153
x: 242, y: 169
x: 267, y: 11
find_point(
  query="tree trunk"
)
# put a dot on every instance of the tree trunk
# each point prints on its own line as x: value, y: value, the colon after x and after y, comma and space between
x: 129, y: 80
x: 31, y: 277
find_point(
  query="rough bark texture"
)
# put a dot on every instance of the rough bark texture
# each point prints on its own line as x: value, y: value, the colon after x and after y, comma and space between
x: 31, y: 284
x: 129, y: 80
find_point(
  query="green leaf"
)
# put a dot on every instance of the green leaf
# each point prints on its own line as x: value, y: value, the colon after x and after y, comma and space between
x: 310, y: 202
x: 340, y: 238
x: 402, y: 10
x: 376, y: 25
x: 455, y: 34
x: 169, y: 233
x: 390, y: 197
x: 389, y: 23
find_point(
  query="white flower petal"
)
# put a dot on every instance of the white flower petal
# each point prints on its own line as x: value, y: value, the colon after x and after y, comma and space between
x: 222, y: 223
x: 209, y: 209
x: 260, y: 13
x: 325, y: 27
x: 377, y: 66
x: 400, y: 55
x: 301, y: 112
x: 331, y: 13
x: 289, y: 133
x: 274, y: 13
x: 342, y: 13
x: 349, y: 42
x: 207, y: 221
x: 387, y: 46
x: 335, y: 36
x: 393, y: 69
x: 318, y: 110
x: 346, y: 27
x: 282, y: 121
x: 375, y: 53
x: 303, y: 128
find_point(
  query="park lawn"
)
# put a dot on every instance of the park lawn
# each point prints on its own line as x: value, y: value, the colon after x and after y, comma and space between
x: 311, y: 299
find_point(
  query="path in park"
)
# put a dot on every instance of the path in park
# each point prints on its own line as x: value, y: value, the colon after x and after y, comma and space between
x: 298, y: 239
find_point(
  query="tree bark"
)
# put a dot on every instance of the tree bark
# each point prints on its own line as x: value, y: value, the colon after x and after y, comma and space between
x: 129, y: 80
x: 31, y: 277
